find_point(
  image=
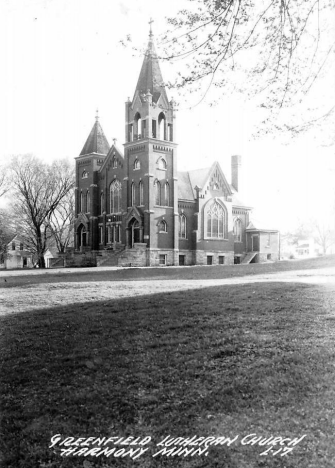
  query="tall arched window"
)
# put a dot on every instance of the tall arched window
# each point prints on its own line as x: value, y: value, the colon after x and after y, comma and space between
x: 162, y: 163
x: 138, y: 125
x: 162, y: 226
x: 215, y: 221
x: 161, y: 126
x: 166, y: 194
x: 182, y: 226
x: 137, y: 164
x: 237, y: 230
x: 133, y: 201
x: 140, y: 189
x: 157, y: 187
x: 88, y: 202
x: 115, y: 196
x: 102, y: 204
x: 81, y: 203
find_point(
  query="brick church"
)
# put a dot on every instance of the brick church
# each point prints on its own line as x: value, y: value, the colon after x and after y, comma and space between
x: 133, y: 207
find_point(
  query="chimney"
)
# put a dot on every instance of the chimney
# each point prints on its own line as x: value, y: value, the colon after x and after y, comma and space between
x: 236, y: 179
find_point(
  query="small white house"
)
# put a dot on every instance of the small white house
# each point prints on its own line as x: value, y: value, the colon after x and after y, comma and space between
x: 17, y: 255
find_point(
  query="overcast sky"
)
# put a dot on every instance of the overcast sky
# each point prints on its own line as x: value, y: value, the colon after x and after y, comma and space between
x: 62, y: 60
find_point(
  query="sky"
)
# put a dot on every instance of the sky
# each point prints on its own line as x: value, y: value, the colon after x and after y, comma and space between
x: 62, y: 60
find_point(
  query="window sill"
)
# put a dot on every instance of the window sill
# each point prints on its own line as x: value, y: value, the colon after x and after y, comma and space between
x: 216, y: 238
x: 162, y: 232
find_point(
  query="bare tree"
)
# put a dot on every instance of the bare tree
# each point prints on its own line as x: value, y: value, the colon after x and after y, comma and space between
x: 61, y: 222
x: 324, y: 235
x: 38, y: 189
x: 272, y: 50
x: 7, y: 231
x: 4, y: 181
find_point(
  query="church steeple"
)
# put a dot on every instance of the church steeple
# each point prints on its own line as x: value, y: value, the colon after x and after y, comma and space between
x: 96, y: 141
x: 151, y: 78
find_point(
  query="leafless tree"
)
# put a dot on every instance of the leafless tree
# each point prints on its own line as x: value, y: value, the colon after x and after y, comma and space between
x: 61, y: 222
x: 37, y: 191
x: 4, y: 181
x: 324, y: 235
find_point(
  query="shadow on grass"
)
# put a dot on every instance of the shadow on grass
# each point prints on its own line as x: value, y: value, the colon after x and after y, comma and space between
x: 167, y: 273
x: 174, y: 363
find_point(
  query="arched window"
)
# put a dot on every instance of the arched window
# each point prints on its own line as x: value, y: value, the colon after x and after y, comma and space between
x: 215, y: 221
x: 167, y: 194
x: 115, y: 196
x: 162, y: 163
x: 133, y: 201
x: 237, y: 230
x: 114, y: 162
x: 138, y: 126
x: 161, y: 126
x: 140, y: 189
x: 162, y: 226
x: 88, y: 202
x: 102, y: 204
x: 81, y: 203
x: 137, y: 164
x: 84, y: 175
x: 157, y: 187
x: 216, y: 186
x: 182, y: 226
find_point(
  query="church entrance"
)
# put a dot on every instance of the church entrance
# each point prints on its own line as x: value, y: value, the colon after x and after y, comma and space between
x: 81, y: 236
x: 134, y: 233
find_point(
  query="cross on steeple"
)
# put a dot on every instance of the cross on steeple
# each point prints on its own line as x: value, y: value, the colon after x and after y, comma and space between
x: 150, y: 22
x: 97, y: 115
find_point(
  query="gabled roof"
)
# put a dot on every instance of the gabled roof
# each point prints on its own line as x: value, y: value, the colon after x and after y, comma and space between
x: 96, y: 141
x: 187, y: 181
x: 150, y: 75
x: 113, y: 149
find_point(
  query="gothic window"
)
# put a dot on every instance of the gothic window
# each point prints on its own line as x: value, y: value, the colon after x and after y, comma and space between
x: 157, y: 188
x: 114, y: 162
x: 162, y: 163
x: 140, y: 188
x: 182, y: 226
x: 237, y: 230
x: 115, y: 196
x: 88, y: 202
x: 170, y: 133
x: 138, y: 126
x: 162, y: 226
x: 154, y: 129
x: 137, y: 164
x: 216, y: 187
x: 215, y: 221
x: 161, y: 126
x: 167, y: 194
x: 81, y: 207
x: 100, y: 234
x: 102, y: 199
x: 84, y: 175
x: 133, y: 201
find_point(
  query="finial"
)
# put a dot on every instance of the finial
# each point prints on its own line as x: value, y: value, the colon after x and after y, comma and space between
x: 97, y: 115
x: 114, y: 141
x: 150, y: 22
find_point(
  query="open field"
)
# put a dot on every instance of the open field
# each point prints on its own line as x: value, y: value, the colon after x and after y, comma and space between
x: 206, y: 351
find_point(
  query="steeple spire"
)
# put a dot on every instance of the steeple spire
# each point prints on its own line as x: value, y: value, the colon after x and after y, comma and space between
x: 150, y: 78
x: 96, y: 141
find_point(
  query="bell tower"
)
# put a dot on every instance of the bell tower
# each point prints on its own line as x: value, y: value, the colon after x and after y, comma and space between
x: 151, y: 165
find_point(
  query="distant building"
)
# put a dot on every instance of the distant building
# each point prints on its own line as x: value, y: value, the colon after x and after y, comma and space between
x: 135, y: 208
x: 17, y: 255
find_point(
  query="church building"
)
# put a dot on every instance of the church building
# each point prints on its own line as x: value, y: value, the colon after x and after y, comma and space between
x: 133, y: 207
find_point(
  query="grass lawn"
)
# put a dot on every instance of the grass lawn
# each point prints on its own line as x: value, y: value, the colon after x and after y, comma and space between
x: 220, y: 361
